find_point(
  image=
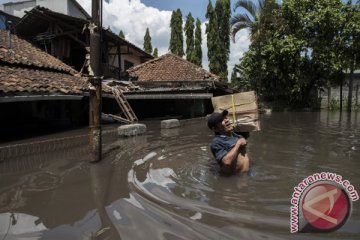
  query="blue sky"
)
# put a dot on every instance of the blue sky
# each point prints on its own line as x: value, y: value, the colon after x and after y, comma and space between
x: 196, y: 7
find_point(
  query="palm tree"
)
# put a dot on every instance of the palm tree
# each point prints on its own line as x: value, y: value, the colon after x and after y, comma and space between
x: 253, y: 15
x: 256, y: 16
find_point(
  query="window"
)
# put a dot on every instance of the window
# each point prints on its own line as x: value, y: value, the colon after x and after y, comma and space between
x: 127, y: 64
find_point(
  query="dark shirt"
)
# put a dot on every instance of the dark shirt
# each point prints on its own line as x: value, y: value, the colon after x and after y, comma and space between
x: 222, y: 144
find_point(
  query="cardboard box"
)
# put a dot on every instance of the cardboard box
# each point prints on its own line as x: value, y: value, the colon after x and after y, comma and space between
x: 242, y: 108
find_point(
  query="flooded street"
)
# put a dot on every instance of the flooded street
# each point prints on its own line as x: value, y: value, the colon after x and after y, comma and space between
x: 165, y: 184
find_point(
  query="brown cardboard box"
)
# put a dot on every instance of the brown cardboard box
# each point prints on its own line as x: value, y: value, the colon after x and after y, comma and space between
x: 244, y: 107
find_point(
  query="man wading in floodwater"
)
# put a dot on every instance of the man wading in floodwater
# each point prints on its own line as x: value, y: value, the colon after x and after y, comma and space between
x: 227, y: 147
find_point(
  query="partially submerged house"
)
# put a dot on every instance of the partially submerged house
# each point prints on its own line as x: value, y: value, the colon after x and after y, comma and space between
x: 171, y: 85
x: 166, y: 86
x: 68, y: 38
x: 36, y: 88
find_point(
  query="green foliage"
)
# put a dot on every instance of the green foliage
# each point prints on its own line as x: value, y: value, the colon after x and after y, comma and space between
x: 189, y: 33
x: 233, y: 77
x: 334, y: 105
x: 255, y: 16
x: 223, y: 13
x: 198, y: 40
x: 155, y: 53
x: 298, y: 48
x: 147, y: 42
x: 239, y: 82
x: 176, y: 36
x: 121, y: 34
x: 217, y: 42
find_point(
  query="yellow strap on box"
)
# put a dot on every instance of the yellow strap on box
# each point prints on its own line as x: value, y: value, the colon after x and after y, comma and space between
x: 233, y: 109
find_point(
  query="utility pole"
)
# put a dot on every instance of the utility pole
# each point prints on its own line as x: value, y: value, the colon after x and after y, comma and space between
x: 95, y: 80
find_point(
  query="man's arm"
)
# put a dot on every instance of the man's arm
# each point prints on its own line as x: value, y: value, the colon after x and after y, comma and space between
x: 233, y: 153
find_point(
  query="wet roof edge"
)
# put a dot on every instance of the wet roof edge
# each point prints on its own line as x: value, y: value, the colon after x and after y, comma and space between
x: 27, y: 98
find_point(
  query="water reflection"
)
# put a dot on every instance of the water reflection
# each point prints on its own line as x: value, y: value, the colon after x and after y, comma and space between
x: 165, y: 184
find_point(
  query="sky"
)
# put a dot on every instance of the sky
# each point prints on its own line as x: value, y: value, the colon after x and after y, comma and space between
x: 134, y: 16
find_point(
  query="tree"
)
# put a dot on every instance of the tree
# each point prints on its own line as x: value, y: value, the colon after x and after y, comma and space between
x: 218, y: 37
x: 147, y: 42
x: 320, y: 27
x: 257, y: 17
x: 198, y: 41
x: 223, y: 13
x: 300, y: 48
x: 155, y: 53
x: 121, y: 34
x: 212, y: 36
x: 233, y: 75
x: 189, y: 33
x: 239, y: 82
x: 250, y: 17
x: 176, y: 36
x: 351, y: 46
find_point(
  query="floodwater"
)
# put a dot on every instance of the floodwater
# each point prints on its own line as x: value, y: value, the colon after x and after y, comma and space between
x: 165, y: 185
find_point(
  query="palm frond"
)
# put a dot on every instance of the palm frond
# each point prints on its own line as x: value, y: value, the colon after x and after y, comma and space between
x: 241, y: 17
x: 237, y: 27
x: 261, y: 5
x: 247, y: 5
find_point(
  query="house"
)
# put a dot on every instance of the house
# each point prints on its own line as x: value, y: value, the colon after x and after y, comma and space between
x: 68, y: 38
x: 36, y: 88
x: 171, y: 85
x: 7, y: 20
x: 334, y: 92
x: 67, y: 7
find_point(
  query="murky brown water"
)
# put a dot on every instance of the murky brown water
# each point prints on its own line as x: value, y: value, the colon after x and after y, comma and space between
x: 165, y: 185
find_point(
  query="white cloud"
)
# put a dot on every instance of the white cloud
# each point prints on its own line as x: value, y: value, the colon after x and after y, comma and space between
x: 133, y: 17
x: 237, y: 49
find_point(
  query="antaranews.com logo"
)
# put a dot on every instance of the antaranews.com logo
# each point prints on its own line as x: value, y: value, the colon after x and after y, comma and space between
x: 321, y: 203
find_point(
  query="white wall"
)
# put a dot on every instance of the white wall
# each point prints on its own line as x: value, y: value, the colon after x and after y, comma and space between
x: 54, y: 5
x: 131, y: 58
x: 19, y: 8
x: 61, y: 6
x: 73, y: 11
x: 113, y: 59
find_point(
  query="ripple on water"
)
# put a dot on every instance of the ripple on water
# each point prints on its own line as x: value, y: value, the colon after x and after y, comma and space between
x: 181, y: 176
x: 178, y: 175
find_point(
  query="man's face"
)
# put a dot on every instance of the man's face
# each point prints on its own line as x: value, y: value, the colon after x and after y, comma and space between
x: 225, y: 126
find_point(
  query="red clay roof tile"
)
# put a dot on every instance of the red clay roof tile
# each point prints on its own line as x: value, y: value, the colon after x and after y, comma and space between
x: 170, y: 67
x: 25, y: 68
x: 30, y: 80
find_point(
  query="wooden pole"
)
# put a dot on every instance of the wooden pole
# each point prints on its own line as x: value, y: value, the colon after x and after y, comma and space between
x: 95, y: 80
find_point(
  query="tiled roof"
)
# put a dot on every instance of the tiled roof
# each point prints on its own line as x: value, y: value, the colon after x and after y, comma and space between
x: 38, y: 18
x: 27, y: 69
x: 170, y: 67
x: 19, y: 80
x: 23, y: 52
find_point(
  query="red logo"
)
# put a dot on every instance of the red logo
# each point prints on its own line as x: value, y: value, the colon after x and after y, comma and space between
x: 325, y: 207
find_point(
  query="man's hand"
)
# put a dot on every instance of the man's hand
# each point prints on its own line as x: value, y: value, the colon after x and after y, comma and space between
x: 241, y: 142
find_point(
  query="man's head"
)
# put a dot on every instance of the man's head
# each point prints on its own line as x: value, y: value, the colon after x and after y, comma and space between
x: 218, y: 122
